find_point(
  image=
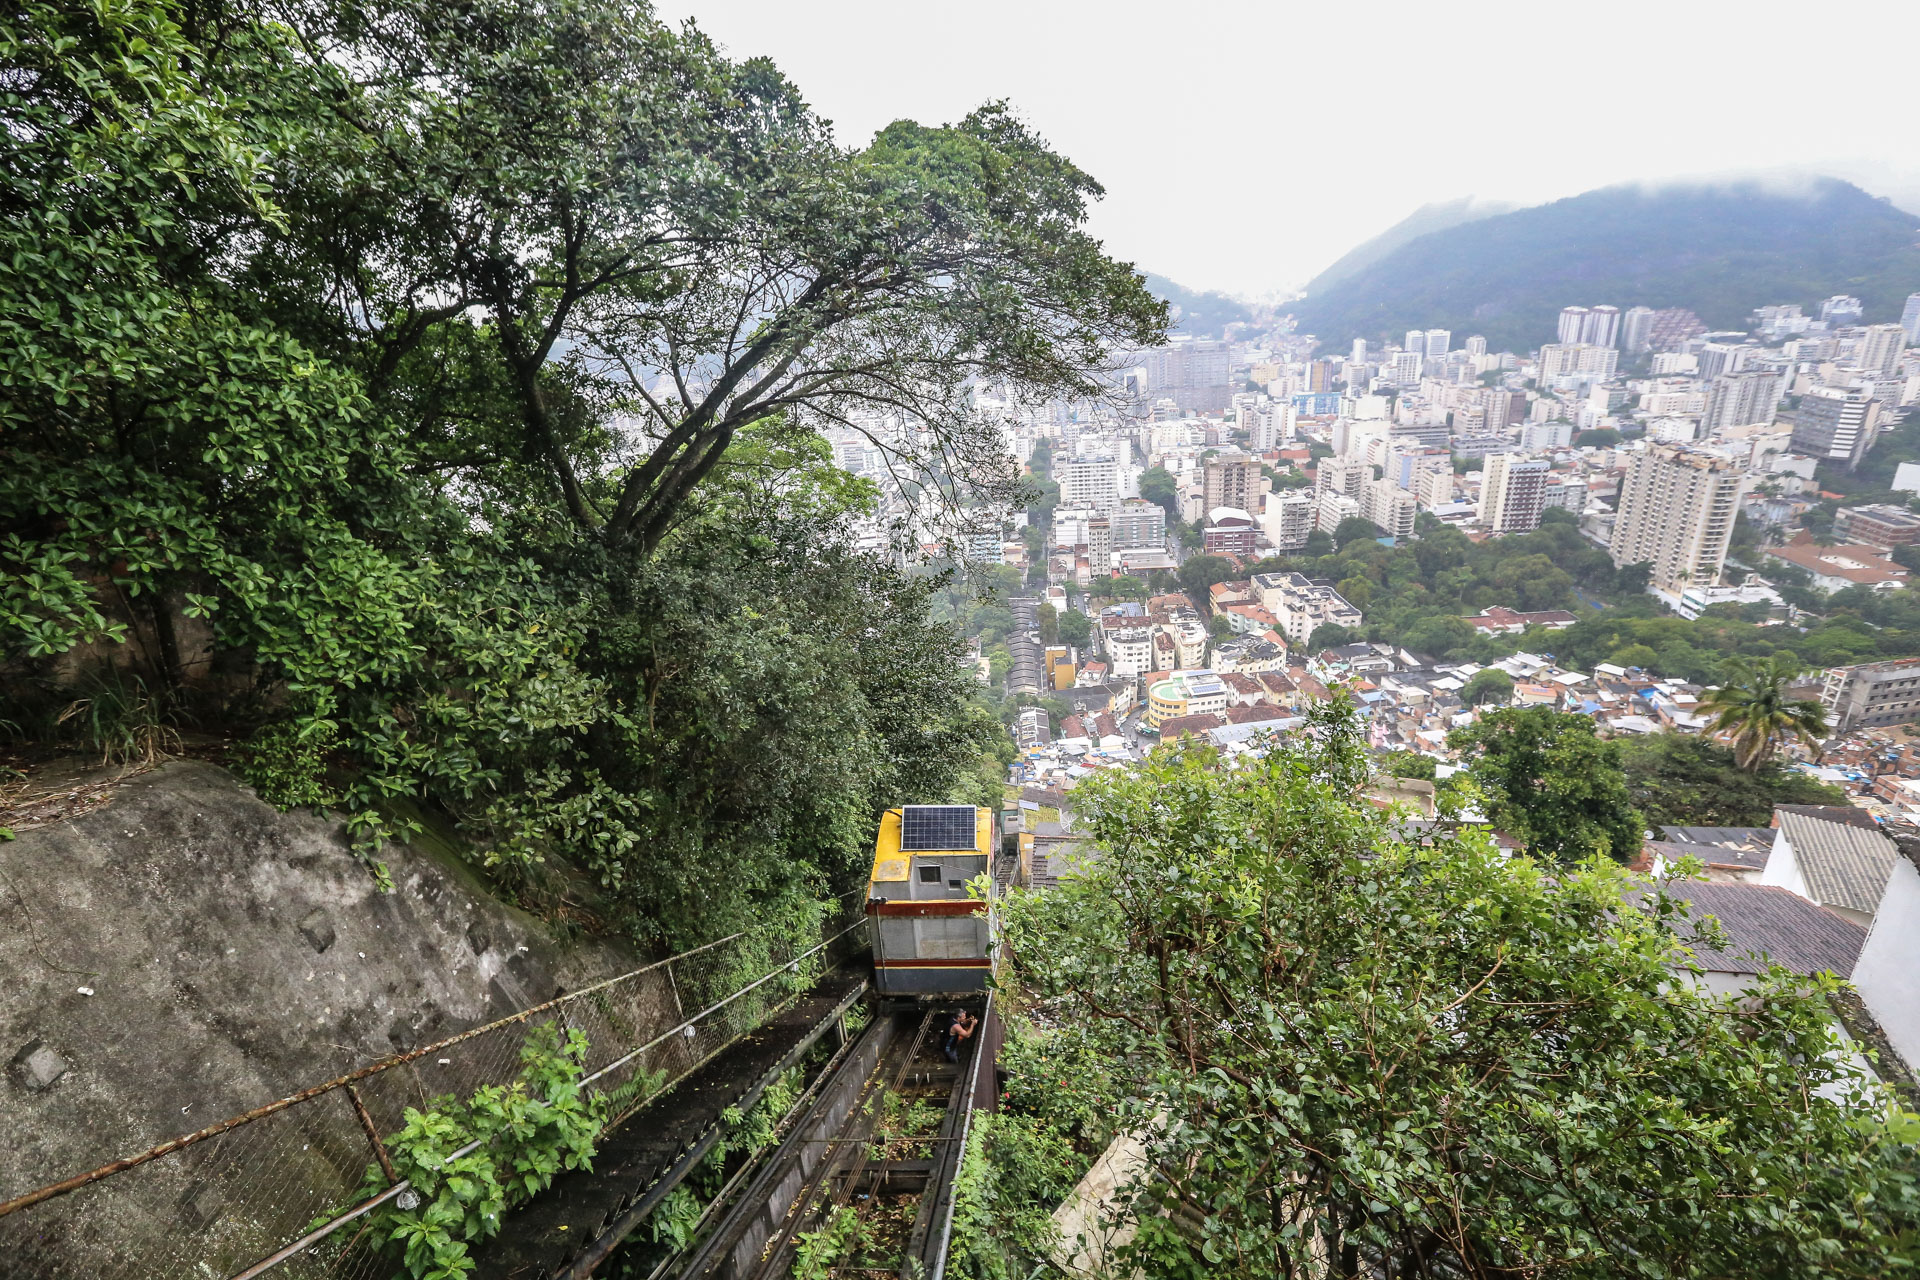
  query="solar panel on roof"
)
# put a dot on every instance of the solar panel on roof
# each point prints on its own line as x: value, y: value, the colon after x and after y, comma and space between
x: 926, y: 828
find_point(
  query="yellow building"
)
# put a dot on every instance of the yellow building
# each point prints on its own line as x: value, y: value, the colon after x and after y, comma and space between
x: 1184, y: 693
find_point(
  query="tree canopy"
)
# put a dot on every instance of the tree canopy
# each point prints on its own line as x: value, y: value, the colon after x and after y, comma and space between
x: 1348, y: 1053
x: 1688, y: 780
x: 1552, y: 782
x: 430, y: 396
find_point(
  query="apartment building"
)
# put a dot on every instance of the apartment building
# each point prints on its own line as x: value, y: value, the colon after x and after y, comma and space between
x: 1389, y: 507
x: 1300, y: 604
x: 1836, y: 423
x: 1288, y: 519
x: 1513, y: 491
x: 1877, y: 524
x: 1676, y: 512
x: 1872, y: 693
x: 1744, y: 399
x: 1231, y: 479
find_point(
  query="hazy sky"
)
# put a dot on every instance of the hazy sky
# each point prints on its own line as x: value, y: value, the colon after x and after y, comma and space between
x: 1244, y: 146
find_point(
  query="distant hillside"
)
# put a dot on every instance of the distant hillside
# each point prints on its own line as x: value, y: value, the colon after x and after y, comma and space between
x: 1719, y: 250
x: 1204, y: 315
x: 1425, y: 220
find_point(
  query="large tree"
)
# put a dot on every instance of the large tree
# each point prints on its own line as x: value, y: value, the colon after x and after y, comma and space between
x: 1750, y: 704
x: 1553, y: 782
x: 1685, y: 779
x: 570, y: 239
x: 1349, y: 1053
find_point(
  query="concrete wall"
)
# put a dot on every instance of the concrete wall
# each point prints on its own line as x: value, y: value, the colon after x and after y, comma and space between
x: 1783, y: 869
x: 234, y: 955
x: 1887, y: 974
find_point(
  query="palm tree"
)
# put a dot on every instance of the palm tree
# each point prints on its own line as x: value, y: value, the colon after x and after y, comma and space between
x: 1751, y: 703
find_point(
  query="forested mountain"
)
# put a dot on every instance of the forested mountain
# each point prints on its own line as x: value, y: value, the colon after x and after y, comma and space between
x: 1203, y: 315
x: 1427, y: 219
x: 1720, y: 250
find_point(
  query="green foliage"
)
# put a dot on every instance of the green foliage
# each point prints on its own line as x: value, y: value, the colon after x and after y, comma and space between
x: 1553, y: 783
x: 1751, y: 703
x: 842, y: 1239
x: 1409, y: 764
x: 1349, y: 1051
x: 1157, y: 485
x: 1075, y: 628
x: 1204, y: 314
x: 321, y: 336
x: 1490, y: 685
x: 286, y: 764
x: 1354, y: 529
x: 1688, y: 780
x: 1197, y: 573
x: 1331, y: 635
x: 117, y: 716
x: 528, y: 1131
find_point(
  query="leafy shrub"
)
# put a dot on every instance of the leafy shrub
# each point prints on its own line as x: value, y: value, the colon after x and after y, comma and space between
x: 286, y: 763
x: 528, y: 1131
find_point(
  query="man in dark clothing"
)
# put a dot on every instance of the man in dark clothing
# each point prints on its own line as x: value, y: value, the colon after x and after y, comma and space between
x: 959, y: 1031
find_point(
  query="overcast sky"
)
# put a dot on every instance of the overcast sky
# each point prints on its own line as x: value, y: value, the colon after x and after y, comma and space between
x: 1244, y: 146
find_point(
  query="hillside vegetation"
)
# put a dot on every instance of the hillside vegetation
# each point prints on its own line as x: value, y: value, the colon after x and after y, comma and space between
x: 427, y: 398
x: 1719, y: 250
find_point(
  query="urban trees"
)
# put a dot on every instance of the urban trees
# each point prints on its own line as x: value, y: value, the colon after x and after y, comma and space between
x: 1349, y: 1052
x: 1553, y: 782
x: 1751, y: 705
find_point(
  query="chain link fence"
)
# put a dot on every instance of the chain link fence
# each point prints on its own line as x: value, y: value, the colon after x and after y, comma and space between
x: 274, y: 1192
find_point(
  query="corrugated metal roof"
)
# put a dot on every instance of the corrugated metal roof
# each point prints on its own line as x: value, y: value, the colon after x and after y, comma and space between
x: 1766, y: 922
x: 1844, y: 865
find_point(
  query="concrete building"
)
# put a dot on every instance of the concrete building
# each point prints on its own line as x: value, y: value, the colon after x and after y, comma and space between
x: 1229, y: 531
x: 1636, y: 329
x: 1130, y: 651
x: 1288, y: 518
x: 1300, y: 604
x: 1513, y: 492
x: 1231, y: 479
x: 1840, y: 311
x: 1184, y: 693
x: 1568, y: 362
x: 1330, y: 508
x: 1090, y: 482
x: 1836, y: 423
x: 1405, y: 370
x: 1389, y: 507
x: 1137, y: 522
x: 1879, y: 348
x: 1877, y: 524
x: 1676, y: 511
x: 1910, y: 318
x: 1872, y: 693
x: 1099, y: 546
x: 1745, y: 399
x: 1194, y: 375
x: 1835, y: 568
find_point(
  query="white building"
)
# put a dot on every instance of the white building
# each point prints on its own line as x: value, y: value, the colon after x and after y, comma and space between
x: 1288, y: 518
x: 1676, y: 512
x: 1091, y: 482
x: 1513, y: 492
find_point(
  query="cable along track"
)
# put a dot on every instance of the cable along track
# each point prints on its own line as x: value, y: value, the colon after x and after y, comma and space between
x: 863, y: 1182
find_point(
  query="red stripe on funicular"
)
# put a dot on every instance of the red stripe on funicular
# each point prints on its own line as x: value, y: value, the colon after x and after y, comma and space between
x: 931, y: 964
x: 931, y: 907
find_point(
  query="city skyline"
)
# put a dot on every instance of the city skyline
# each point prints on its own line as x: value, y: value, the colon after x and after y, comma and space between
x: 1203, y: 182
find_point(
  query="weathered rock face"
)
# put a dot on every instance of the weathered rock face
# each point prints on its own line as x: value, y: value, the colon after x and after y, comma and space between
x: 233, y: 955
